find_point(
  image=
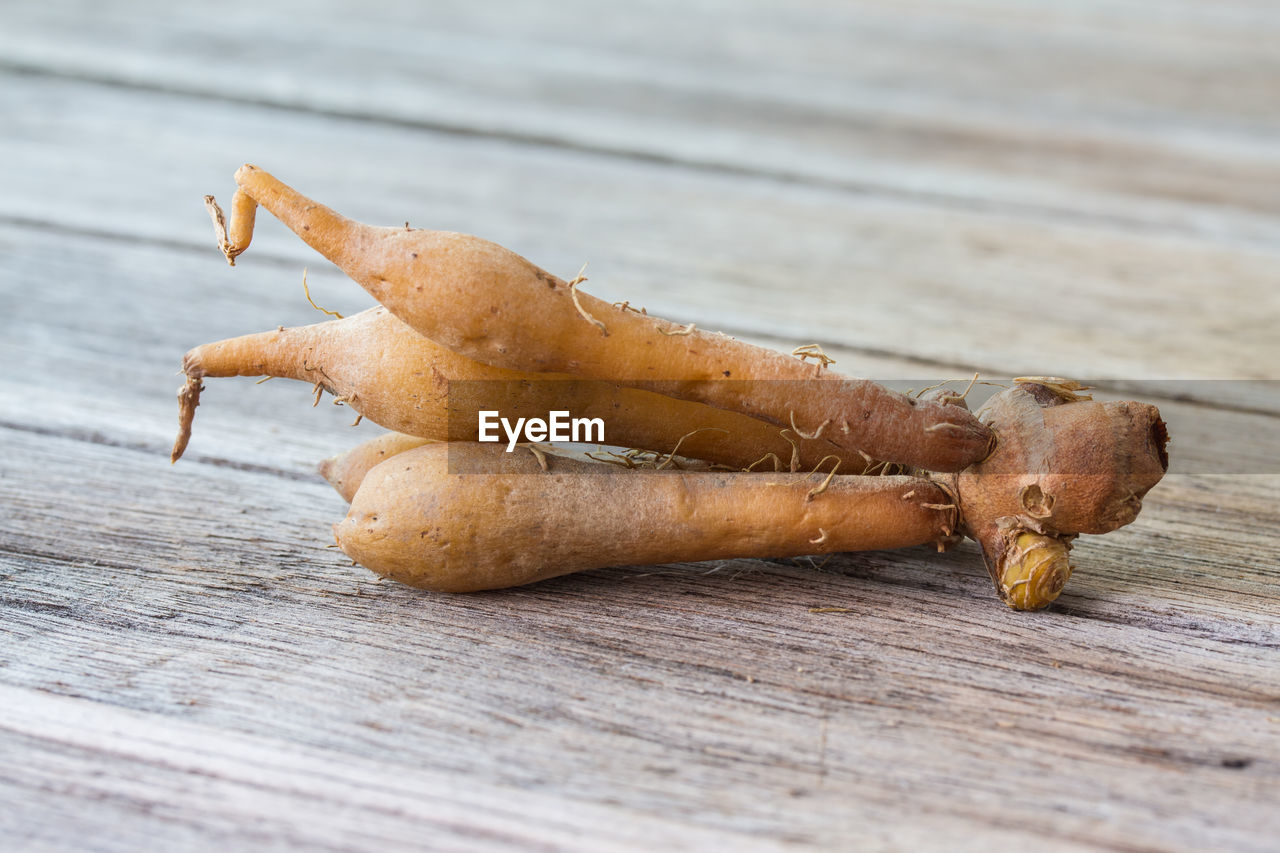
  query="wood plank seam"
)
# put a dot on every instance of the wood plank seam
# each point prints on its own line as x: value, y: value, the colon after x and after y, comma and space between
x: 566, y: 144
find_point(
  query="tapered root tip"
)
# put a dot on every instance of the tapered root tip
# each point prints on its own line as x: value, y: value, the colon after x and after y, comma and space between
x: 188, y: 399
x: 332, y: 472
x: 193, y: 364
x: 220, y: 228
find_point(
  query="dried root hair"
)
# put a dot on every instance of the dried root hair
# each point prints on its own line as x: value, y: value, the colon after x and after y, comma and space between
x: 826, y: 483
x: 577, y: 303
x: 815, y: 352
x: 306, y: 291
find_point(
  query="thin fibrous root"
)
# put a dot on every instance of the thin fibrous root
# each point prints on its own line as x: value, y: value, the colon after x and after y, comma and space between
x: 939, y: 506
x: 822, y: 537
x: 644, y: 457
x: 319, y: 392
x: 928, y: 388
x: 586, y: 315
x: 619, y: 459
x: 795, y: 451
x: 684, y: 330
x: 814, y: 492
x: 309, y: 368
x: 814, y: 351
x: 909, y: 495
x: 349, y: 401
x: 672, y: 455
x: 911, y: 392
x: 627, y: 306
x: 808, y: 437
x: 636, y: 459
x: 307, y: 292
x: 538, y: 454
x: 777, y: 463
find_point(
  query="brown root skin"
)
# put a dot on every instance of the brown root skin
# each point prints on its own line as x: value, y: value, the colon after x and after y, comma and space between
x: 415, y: 522
x: 1063, y: 465
x: 400, y: 380
x: 188, y: 399
x: 491, y: 305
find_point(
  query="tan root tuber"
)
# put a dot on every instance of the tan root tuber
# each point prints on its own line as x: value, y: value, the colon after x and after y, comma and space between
x: 491, y: 305
x: 1061, y: 468
x: 1063, y: 465
x: 414, y: 521
x: 400, y: 380
x: 1038, y: 465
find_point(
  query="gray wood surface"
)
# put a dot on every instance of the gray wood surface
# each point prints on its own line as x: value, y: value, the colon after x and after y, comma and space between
x: 926, y: 189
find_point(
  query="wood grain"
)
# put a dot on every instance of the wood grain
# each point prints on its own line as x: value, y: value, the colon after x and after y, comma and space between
x: 970, y: 289
x: 1150, y: 114
x: 711, y: 695
x: 926, y: 189
x: 273, y: 425
x: 121, y: 593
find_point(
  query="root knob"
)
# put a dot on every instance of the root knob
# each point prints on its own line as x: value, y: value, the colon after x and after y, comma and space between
x: 1034, y: 571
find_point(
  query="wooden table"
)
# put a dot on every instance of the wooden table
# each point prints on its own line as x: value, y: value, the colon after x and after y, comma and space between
x: 1081, y: 188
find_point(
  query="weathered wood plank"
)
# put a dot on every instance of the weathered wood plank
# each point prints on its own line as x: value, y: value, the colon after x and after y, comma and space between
x: 1136, y: 714
x: 183, y: 661
x: 961, y: 288
x: 81, y: 766
x: 134, y: 584
x: 1146, y: 114
x: 119, y: 590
